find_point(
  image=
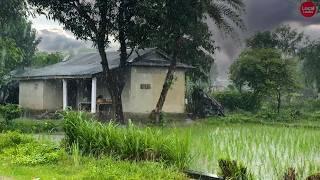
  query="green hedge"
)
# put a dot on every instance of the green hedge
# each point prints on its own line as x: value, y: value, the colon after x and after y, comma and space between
x: 233, y: 100
x: 131, y: 143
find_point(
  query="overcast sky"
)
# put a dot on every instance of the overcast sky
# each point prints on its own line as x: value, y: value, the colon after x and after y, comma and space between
x: 260, y: 15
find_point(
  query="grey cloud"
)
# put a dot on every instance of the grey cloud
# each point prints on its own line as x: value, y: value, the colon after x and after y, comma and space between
x: 264, y: 15
x: 52, y: 40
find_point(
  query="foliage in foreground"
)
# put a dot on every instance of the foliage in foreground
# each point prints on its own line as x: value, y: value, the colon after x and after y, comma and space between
x: 91, y: 168
x: 23, y: 157
x: 129, y: 143
x: 24, y: 150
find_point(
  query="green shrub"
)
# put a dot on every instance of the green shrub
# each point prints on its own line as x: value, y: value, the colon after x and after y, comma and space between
x: 25, y: 150
x: 10, y: 112
x: 33, y: 153
x: 130, y: 143
x: 231, y: 170
x: 36, y: 126
x: 13, y: 139
x: 284, y: 115
x: 233, y: 100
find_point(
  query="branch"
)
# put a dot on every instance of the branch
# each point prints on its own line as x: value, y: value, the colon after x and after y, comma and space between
x: 84, y: 14
x: 132, y: 49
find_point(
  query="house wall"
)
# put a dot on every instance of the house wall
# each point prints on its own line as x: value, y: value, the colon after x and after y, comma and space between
x: 40, y: 94
x: 52, y: 95
x: 31, y: 94
x: 144, y: 100
x: 47, y: 94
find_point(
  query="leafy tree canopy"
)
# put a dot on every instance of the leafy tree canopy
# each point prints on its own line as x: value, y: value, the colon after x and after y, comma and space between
x: 284, y: 38
x: 10, y: 10
x: 10, y: 57
x: 264, y: 71
x: 187, y: 20
x: 310, y: 56
x: 24, y: 35
x: 41, y: 59
x: 14, y: 25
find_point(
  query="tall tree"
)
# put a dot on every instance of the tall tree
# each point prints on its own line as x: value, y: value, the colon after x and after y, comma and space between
x: 288, y: 40
x: 14, y: 25
x: 260, y: 40
x: 16, y: 31
x: 284, y: 38
x: 21, y: 31
x: 10, y: 10
x: 265, y: 72
x: 184, y: 34
x: 311, y: 64
x: 10, y: 57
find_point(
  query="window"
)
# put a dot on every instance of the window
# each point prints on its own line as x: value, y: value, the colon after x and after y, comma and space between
x: 145, y: 86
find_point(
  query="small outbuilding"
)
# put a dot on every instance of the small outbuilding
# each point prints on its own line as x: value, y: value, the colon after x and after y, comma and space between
x: 77, y: 83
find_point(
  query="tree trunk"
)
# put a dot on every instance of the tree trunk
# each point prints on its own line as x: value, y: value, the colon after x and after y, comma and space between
x: 117, y: 103
x: 166, y: 86
x: 279, y: 101
x: 114, y: 85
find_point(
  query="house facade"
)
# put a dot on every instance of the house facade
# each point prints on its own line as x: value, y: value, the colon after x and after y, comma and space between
x: 78, y: 83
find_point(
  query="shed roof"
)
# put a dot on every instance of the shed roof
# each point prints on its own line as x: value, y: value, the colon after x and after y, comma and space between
x: 88, y: 64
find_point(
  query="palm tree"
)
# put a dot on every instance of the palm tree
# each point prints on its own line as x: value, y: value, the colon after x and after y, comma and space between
x: 190, y: 38
x: 226, y: 14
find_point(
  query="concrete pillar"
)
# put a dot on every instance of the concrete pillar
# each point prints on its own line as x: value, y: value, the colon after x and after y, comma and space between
x: 94, y: 95
x: 65, y: 93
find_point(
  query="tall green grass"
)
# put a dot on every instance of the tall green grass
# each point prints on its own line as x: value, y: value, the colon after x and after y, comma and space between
x: 130, y: 143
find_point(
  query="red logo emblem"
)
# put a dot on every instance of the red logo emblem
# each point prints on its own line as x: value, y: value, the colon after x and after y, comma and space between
x: 308, y: 9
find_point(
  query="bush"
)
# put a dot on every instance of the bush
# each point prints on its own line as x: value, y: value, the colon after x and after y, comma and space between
x: 10, y: 112
x: 285, y: 115
x: 233, y: 100
x: 13, y: 139
x: 130, y: 143
x: 33, y: 153
x: 36, y: 126
x: 25, y: 150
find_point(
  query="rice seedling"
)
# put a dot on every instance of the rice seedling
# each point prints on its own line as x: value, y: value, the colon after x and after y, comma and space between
x: 267, y: 151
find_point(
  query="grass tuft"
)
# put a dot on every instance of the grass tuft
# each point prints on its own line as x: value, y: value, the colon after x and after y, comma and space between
x: 129, y: 143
